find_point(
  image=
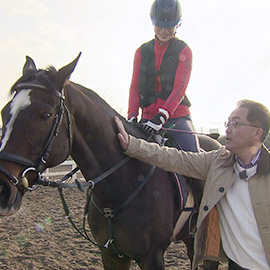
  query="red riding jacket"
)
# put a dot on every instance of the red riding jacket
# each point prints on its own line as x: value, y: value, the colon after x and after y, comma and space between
x: 172, y: 104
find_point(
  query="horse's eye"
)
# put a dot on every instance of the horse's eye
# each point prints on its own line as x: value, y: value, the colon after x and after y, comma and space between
x: 45, y: 116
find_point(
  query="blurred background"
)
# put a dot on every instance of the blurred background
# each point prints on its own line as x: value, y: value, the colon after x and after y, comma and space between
x: 229, y: 39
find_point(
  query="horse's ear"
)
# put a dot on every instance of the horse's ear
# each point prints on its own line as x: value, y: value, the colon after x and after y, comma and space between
x: 64, y: 73
x: 29, y: 65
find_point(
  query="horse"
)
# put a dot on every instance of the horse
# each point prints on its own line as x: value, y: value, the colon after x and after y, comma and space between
x: 132, y: 210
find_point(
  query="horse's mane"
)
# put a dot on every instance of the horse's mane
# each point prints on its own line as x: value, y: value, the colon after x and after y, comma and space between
x: 94, y: 97
x: 131, y: 128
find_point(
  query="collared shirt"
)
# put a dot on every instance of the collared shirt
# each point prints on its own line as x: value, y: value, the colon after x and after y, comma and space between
x: 253, y: 162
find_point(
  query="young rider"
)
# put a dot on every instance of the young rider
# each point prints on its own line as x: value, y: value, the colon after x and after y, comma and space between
x: 161, y: 74
x: 160, y: 78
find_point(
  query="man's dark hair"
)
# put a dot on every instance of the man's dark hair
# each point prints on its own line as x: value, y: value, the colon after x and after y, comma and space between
x: 258, y: 115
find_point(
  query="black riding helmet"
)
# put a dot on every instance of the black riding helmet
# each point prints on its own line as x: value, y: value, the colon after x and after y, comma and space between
x: 166, y: 13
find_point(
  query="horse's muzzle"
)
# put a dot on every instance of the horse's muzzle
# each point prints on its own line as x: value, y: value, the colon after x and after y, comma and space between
x: 10, y: 197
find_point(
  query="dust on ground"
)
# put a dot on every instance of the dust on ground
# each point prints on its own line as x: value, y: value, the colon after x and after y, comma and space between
x: 39, y: 237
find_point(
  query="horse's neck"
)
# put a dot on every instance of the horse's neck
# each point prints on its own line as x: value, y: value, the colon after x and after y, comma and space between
x: 95, y: 146
x: 96, y: 149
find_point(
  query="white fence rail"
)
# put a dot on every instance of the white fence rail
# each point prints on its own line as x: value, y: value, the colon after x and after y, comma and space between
x: 63, y: 169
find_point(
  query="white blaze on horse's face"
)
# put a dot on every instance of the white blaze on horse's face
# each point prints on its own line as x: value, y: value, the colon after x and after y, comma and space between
x: 19, y: 103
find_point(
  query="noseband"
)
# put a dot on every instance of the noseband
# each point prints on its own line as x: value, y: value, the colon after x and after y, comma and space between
x: 36, y: 166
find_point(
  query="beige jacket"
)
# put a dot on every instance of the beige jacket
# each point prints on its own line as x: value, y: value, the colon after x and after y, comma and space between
x: 217, y: 168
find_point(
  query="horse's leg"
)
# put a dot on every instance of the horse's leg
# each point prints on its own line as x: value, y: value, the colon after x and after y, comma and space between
x: 154, y: 259
x: 115, y: 263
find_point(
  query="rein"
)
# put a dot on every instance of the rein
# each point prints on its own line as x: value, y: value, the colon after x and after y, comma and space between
x: 212, y: 135
x: 106, y: 212
x: 91, y: 183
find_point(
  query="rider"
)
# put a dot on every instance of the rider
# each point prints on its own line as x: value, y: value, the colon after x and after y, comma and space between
x: 160, y: 78
x: 161, y: 74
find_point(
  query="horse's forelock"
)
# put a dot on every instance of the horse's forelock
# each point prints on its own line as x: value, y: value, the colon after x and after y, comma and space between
x: 50, y: 71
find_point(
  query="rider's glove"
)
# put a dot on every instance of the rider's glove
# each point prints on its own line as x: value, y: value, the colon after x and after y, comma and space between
x: 155, y: 124
x: 133, y: 120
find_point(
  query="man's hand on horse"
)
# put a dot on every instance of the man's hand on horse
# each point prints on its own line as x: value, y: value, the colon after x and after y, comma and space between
x: 122, y: 135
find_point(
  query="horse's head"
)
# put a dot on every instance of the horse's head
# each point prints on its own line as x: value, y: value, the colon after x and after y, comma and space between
x: 35, y: 121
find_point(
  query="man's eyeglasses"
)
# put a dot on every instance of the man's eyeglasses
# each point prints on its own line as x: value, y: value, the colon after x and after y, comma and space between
x: 234, y: 124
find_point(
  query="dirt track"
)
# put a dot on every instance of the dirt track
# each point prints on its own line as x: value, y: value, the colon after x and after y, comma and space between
x: 39, y: 237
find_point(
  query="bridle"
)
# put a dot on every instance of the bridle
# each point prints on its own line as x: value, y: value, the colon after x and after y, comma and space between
x: 36, y: 166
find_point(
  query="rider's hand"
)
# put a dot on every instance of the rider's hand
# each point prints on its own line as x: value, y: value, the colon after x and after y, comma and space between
x: 155, y: 124
x: 133, y: 120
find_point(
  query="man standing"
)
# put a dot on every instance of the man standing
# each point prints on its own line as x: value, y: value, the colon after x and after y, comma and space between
x: 234, y: 215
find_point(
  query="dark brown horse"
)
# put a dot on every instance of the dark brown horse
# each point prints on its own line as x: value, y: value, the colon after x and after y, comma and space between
x: 132, y: 212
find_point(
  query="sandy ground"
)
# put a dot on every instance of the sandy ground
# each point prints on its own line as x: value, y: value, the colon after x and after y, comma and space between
x: 39, y: 237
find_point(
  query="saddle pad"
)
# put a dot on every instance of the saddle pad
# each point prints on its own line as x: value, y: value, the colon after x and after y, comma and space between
x: 182, y: 189
x: 183, y: 216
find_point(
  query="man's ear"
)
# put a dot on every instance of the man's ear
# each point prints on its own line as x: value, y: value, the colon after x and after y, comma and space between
x: 259, y: 133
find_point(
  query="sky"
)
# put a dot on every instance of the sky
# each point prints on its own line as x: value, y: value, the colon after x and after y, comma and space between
x: 229, y: 40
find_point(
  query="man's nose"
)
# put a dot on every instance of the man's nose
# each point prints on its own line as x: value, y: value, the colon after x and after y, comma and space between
x: 228, y: 130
